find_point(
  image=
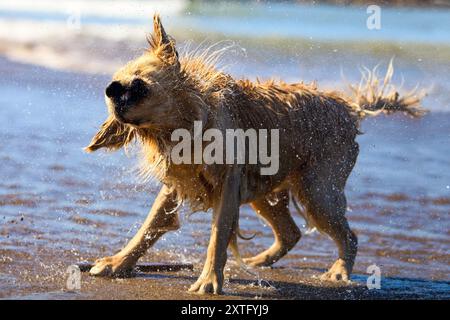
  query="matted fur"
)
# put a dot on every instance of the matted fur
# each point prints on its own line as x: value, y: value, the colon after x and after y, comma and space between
x: 259, y: 105
x: 317, y: 143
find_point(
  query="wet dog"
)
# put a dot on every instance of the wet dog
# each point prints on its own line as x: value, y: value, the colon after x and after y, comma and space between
x: 160, y: 92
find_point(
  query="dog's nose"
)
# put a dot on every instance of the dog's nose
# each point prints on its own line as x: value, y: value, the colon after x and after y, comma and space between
x: 114, y: 90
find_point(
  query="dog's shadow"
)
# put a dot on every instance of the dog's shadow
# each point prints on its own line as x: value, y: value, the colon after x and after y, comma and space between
x: 313, y: 288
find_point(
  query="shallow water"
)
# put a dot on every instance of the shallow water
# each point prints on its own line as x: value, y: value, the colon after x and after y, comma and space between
x: 59, y: 205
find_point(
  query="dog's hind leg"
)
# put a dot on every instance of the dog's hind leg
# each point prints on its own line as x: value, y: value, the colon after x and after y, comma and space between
x: 321, y: 191
x: 163, y: 217
x: 285, y: 231
x: 330, y: 219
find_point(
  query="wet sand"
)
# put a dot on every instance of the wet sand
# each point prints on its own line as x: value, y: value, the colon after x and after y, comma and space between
x: 59, y: 206
x: 46, y: 279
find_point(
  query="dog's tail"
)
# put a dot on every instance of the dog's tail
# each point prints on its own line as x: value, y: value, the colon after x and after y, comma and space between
x: 373, y: 96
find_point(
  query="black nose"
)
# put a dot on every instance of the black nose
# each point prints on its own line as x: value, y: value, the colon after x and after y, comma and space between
x: 114, y: 90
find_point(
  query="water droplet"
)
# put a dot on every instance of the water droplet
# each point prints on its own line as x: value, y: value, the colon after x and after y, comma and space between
x: 311, y: 230
x: 273, y: 199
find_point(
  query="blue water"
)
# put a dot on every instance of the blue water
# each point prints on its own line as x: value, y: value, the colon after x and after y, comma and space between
x: 316, y: 22
x: 322, y: 22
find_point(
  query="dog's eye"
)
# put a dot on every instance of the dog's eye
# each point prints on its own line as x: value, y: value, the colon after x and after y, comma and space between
x: 138, y: 86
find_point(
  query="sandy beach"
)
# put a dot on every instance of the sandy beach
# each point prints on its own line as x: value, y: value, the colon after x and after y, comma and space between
x: 60, y: 206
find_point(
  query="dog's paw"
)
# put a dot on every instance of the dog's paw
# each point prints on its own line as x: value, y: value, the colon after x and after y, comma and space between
x: 337, y: 273
x: 212, y: 283
x: 113, y: 266
x: 261, y: 260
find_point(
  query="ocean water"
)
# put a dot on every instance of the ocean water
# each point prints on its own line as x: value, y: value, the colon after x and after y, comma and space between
x: 55, y: 198
x: 319, y: 22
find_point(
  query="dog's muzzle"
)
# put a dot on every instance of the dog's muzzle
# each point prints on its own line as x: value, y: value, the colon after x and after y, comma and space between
x: 125, y: 97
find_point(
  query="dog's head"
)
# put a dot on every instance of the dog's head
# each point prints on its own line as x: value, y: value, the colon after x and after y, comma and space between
x: 142, y: 93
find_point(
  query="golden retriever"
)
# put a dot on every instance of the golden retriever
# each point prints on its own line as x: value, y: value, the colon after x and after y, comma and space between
x: 160, y: 91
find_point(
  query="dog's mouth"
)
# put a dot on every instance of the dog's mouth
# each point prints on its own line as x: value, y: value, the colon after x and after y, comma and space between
x: 122, y: 117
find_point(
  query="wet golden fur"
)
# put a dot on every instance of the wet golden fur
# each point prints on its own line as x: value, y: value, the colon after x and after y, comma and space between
x: 317, y: 152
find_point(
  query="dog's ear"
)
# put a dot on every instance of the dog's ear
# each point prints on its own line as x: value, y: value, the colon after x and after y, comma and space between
x: 161, y: 43
x: 112, y: 136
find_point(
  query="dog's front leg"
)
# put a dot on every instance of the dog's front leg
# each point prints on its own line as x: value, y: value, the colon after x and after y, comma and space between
x: 225, y: 215
x: 162, y: 218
